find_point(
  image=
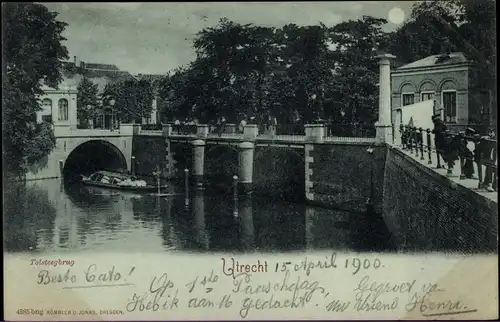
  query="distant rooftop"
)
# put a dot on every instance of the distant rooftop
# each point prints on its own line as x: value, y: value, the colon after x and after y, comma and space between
x: 438, y: 60
x: 100, y: 74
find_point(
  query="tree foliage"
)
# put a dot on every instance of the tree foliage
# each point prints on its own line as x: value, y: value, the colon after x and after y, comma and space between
x: 33, y: 50
x: 448, y: 26
x: 133, y: 99
x: 302, y: 72
x: 287, y: 72
x: 87, y: 102
x: 437, y: 27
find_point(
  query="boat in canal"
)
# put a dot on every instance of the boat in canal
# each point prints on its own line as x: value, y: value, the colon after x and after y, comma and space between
x: 116, y: 180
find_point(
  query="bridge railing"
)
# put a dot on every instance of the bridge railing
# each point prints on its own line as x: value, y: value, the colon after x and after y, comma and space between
x: 447, y: 149
x: 297, y: 132
x: 152, y: 127
x: 349, y: 130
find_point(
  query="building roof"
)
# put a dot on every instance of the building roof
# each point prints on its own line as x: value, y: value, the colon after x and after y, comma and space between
x: 100, y: 74
x: 150, y: 77
x: 438, y: 60
x: 100, y: 66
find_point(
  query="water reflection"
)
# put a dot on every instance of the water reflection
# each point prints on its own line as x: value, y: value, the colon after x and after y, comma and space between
x: 46, y: 216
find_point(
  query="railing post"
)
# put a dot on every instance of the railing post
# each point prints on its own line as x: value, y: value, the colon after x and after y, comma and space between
x: 202, y: 130
x: 495, y: 178
x: 409, y: 139
x: 451, y: 165
x: 429, y: 146
x: 461, y: 157
x: 415, y: 140
x: 438, y: 154
x: 401, y: 135
x: 314, y: 132
x: 421, y: 138
x: 186, y: 187
x: 406, y: 141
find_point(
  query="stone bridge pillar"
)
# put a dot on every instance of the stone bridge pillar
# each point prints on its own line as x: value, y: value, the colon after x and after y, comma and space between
x: 384, y: 123
x: 246, y: 166
x: 198, y: 162
x: 246, y: 222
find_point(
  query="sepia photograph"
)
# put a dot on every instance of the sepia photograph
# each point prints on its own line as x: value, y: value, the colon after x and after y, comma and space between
x: 249, y: 160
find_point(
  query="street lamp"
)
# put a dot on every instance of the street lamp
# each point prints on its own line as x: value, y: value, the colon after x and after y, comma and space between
x: 112, y: 104
x: 369, y: 201
x: 133, y: 166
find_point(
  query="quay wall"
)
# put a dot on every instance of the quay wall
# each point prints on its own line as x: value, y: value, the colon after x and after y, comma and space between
x: 423, y: 207
x: 339, y: 175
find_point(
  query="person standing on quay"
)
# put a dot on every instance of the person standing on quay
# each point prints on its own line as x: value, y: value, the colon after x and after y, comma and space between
x: 485, y: 154
x: 439, y: 136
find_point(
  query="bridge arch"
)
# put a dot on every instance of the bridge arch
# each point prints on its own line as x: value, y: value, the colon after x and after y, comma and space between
x: 91, y: 156
x: 221, y: 162
x: 279, y: 171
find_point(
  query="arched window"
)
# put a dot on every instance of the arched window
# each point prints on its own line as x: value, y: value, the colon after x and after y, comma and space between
x: 427, y: 91
x: 407, y: 94
x: 63, y: 110
x: 47, y: 104
x: 449, y: 101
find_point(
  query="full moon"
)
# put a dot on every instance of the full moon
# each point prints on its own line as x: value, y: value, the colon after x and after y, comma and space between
x: 396, y: 15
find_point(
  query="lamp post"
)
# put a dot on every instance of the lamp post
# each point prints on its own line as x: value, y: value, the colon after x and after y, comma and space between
x: 235, y: 195
x: 112, y: 104
x: 369, y: 201
x: 132, y: 166
x: 157, y: 174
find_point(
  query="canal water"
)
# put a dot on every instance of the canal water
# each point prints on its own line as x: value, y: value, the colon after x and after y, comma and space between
x: 47, y: 216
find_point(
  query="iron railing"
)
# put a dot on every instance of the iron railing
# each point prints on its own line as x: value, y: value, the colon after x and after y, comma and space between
x: 184, y: 129
x: 349, y: 130
x: 450, y: 147
x: 152, y: 127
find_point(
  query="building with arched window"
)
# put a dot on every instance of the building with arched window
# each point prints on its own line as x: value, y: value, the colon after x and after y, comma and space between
x: 59, y: 107
x: 453, y: 81
x: 62, y: 114
x: 45, y: 115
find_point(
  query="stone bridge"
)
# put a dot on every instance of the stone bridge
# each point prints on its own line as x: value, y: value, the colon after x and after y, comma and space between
x: 82, y: 151
x: 418, y: 200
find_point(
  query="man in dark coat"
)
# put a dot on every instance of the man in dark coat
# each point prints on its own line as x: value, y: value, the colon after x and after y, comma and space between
x: 485, y: 154
x: 439, y: 135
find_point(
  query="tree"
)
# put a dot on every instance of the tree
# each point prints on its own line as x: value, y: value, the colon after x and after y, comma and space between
x: 288, y: 72
x: 33, y: 51
x: 247, y: 69
x: 439, y: 27
x: 354, y: 93
x: 133, y: 99
x: 87, y: 101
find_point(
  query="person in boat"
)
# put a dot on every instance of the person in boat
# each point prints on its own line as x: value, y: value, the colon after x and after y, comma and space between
x: 127, y: 182
x: 137, y: 182
x: 105, y: 179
